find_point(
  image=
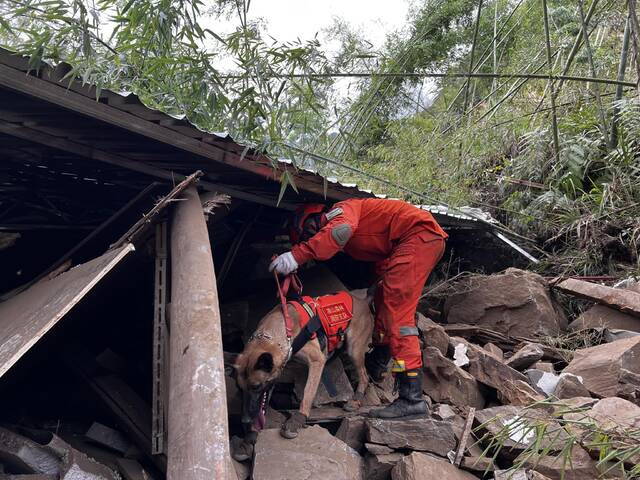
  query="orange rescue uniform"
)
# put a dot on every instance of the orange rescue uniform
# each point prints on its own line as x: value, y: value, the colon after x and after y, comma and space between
x: 405, y: 242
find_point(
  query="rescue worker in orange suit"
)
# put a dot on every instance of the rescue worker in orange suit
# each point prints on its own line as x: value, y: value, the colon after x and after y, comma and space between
x: 406, y: 243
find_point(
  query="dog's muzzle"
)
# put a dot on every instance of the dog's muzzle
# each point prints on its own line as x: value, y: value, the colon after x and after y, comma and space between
x: 254, y: 408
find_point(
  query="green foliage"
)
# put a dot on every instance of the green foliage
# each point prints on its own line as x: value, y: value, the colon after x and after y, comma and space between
x: 550, y: 431
x: 582, y: 205
x: 480, y: 141
x: 163, y: 51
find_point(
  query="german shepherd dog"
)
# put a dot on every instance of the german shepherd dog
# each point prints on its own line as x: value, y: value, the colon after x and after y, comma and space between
x: 265, y: 357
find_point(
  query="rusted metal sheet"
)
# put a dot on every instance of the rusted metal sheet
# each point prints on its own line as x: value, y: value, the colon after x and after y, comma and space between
x: 27, y: 317
x: 621, y: 299
x: 197, y: 446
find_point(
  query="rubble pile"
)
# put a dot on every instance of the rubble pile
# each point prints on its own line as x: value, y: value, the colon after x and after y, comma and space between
x: 506, y: 402
x: 101, y: 453
x: 508, y: 399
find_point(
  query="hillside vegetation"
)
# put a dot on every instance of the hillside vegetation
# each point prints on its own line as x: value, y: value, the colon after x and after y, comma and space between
x: 554, y: 161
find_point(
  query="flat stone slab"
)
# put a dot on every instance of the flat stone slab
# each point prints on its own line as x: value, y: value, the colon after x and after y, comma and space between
x: 425, y: 435
x: 419, y: 466
x: 314, y: 455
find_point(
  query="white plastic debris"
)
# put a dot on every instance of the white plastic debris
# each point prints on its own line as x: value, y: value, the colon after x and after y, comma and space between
x: 460, y: 358
x: 548, y: 382
x: 520, y: 431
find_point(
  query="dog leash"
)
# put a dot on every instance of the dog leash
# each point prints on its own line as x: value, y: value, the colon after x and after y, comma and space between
x: 289, y: 281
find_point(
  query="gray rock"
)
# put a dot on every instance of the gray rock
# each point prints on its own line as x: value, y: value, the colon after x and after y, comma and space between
x: 27, y: 455
x: 612, y: 416
x: 511, y: 385
x: 378, y: 467
x: 375, y: 449
x: 425, y: 435
x: 516, y: 428
x: 603, y: 368
x: 578, y: 466
x: 442, y: 411
x: 511, y: 474
x: 314, y: 455
x: 544, y: 367
x: 543, y: 382
x: 494, y: 350
x: 526, y: 356
x: 77, y: 466
x: 444, y: 382
x: 419, y: 466
x: 432, y: 334
x: 601, y: 316
x: 514, y: 302
x: 570, y: 386
x: 352, y: 432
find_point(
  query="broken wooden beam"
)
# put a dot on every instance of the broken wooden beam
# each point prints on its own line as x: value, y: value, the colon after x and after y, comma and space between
x: 621, y: 299
x: 28, y: 316
x: 464, y: 438
x: 198, y: 445
x: 133, y: 233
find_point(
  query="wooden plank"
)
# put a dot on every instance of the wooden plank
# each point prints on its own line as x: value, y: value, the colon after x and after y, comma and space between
x: 27, y: 317
x: 132, y: 412
x: 626, y: 301
x: 464, y: 439
x: 118, y: 160
x: 67, y: 98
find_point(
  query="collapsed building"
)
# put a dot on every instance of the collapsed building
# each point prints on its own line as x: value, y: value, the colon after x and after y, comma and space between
x: 117, y: 330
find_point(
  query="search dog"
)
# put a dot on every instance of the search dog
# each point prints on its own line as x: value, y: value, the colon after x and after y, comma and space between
x: 266, y: 354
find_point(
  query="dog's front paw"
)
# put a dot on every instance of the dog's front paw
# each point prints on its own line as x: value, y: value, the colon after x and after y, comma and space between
x: 352, y: 405
x: 243, y: 451
x: 295, y: 422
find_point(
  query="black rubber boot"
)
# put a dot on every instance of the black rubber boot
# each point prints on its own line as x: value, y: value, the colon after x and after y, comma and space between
x: 410, y: 402
x: 377, y: 362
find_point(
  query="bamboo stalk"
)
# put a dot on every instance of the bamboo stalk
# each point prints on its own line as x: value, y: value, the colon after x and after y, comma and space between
x: 495, y: 34
x: 574, y: 51
x: 486, y: 54
x: 622, y: 67
x: 554, y: 117
x: 635, y: 31
x: 577, y: 43
x: 592, y: 66
x: 472, y: 55
x: 531, y: 76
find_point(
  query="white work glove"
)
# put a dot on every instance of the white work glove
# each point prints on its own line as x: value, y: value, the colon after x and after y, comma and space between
x: 284, y: 264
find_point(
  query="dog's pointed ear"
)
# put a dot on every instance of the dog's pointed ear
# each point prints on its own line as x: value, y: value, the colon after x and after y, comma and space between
x: 264, y: 362
x: 238, y: 364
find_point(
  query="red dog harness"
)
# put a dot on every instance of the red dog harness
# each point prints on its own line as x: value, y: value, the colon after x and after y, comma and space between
x: 333, y: 314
